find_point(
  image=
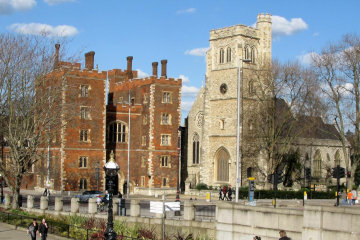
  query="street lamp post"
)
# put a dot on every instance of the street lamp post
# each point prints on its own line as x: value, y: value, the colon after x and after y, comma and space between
x: 128, y: 156
x: 111, y: 168
x: 238, y: 157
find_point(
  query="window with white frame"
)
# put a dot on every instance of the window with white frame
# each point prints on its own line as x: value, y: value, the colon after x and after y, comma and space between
x: 165, y: 140
x: 83, y: 161
x: 84, y: 90
x: 165, y: 119
x: 84, y: 135
x: 84, y: 112
x: 164, y: 161
x: 117, y: 132
x: 83, y: 184
x: 166, y: 98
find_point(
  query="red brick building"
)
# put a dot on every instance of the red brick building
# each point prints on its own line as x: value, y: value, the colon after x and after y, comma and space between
x: 154, y: 122
x: 81, y: 148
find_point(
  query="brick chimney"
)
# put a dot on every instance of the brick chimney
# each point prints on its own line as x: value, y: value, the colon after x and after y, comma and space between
x: 89, y: 60
x: 155, y: 68
x: 129, y: 66
x: 163, y: 68
x: 56, y: 62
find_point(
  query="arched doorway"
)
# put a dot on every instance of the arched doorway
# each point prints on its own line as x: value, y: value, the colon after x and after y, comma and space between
x: 222, y: 157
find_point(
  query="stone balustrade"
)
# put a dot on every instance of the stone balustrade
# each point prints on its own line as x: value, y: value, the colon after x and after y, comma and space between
x: 59, y: 204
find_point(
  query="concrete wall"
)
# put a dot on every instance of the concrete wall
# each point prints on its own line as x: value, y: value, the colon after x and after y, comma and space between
x: 239, y: 221
x: 311, y: 223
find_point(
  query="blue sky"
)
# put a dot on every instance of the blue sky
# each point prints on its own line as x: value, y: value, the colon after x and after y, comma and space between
x: 178, y: 30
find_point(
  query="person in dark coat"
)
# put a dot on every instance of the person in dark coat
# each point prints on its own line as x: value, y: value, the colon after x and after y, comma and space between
x: 43, y: 229
x: 32, y: 229
x: 283, y: 235
x: 220, y: 194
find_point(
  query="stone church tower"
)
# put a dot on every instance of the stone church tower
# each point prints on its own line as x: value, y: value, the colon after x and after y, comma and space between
x: 235, y: 53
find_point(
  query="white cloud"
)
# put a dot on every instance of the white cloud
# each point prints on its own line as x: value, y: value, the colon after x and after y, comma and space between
x: 10, y: 6
x: 53, y: 2
x: 189, y: 91
x: 307, y: 58
x: 281, y: 26
x: 142, y: 74
x: 186, y: 105
x: 184, y: 78
x: 316, y: 34
x: 197, y: 52
x: 44, y: 29
x: 189, y: 10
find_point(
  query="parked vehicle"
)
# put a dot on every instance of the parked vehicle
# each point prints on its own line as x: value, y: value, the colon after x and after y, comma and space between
x: 85, y: 196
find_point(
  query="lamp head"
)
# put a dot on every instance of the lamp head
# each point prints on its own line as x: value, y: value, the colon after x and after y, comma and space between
x: 111, y: 167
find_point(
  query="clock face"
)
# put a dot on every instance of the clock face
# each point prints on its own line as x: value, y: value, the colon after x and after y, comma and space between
x: 223, y: 88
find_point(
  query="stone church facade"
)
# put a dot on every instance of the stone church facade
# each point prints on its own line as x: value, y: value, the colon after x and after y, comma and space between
x: 235, y: 54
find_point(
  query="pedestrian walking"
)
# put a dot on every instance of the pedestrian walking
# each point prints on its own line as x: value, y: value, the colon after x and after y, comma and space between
x: 283, y: 235
x: 32, y: 229
x: 349, y: 196
x: 220, y: 194
x: 354, y: 196
x: 43, y: 229
x: 230, y: 193
x: 344, y: 198
x: 224, y: 191
x: 257, y: 238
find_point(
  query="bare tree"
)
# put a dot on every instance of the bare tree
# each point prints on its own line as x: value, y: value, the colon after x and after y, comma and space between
x: 284, y: 93
x: 338, y: 68
x: 31, y: 107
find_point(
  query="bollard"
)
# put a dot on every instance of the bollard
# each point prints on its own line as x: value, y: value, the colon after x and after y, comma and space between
x: 59, y: 204
x: 30, y: 202
x: 189, y: 210
x: 135, y: 208
x: 92, y: 206
x: 75, y: 205
x: 44, y: 203
x: 7, y: 200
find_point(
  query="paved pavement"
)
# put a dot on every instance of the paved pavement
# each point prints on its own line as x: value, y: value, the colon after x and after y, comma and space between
x: 9, y: 232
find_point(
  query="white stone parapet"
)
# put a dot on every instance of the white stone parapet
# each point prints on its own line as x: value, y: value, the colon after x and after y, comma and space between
x: 30, y: 202
x: 58, y: 204
x: 135, y: 208
x: 44, y: 203
x: 92, y: 206
x: 75, y: 205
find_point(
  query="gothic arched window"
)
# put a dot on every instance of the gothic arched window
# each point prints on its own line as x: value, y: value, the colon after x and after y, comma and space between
x: 253, y: 54
x: 228, y: 54
x: 337, y: 158
x: 221, y: 56
x: 196, y: 149
x: 317, y: 163
x: 117, y: 132
x: 247, y: 53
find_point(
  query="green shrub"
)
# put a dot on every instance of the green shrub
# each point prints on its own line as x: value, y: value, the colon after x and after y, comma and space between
x: 202, y: 186
x: 286, y: 194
